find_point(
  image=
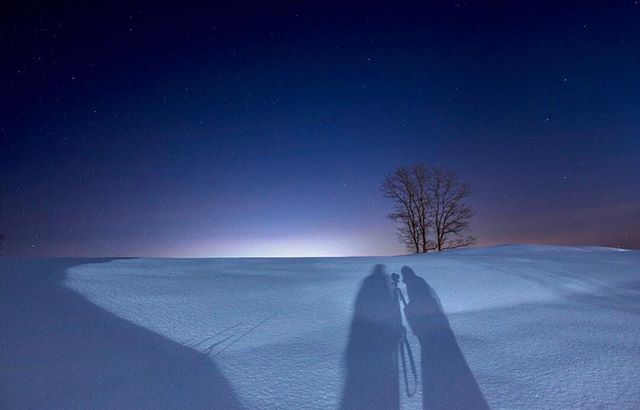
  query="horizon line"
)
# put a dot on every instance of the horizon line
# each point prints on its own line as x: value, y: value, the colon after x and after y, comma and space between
x: 618, y: 248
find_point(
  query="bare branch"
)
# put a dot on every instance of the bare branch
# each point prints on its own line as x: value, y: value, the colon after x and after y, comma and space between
x: 450, y: 213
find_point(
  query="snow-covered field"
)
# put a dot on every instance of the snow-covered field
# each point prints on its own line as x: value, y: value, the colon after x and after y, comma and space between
x: 539, y: 326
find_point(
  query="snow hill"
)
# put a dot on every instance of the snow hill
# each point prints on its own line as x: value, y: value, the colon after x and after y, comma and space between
x: 539, y: 326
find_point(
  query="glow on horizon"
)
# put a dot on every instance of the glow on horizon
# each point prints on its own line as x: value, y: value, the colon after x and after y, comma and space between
x: 294, y: 247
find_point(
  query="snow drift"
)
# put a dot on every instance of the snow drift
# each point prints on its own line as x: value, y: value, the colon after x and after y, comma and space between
x: 538, y: 327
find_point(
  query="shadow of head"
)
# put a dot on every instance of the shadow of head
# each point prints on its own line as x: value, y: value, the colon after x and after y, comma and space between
x: 421, y: 295
x: 374, y: 302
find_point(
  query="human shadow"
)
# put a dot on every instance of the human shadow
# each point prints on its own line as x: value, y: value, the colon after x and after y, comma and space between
x: 59, y: 350
x: 447, y: 380
x: 371, y: 353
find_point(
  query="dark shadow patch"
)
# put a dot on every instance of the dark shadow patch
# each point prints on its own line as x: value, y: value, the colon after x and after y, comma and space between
x: 447, y: 380
x: 58, y: 350
x: 371, y: 354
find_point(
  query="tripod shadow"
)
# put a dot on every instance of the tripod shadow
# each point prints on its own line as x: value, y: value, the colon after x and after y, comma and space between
x: 370, y: 357
x: 447, y: 381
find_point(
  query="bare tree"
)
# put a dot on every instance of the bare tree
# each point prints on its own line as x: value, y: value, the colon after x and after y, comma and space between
x: 450, y: 214
x: 423, y: 203
x: 429, y: 208
x: 400, y: 188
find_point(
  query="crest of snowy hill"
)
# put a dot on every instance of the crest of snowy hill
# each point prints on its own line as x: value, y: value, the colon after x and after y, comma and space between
x: 539, y: 326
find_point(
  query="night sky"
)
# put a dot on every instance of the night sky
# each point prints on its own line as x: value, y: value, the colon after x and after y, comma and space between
x: 253, y: 129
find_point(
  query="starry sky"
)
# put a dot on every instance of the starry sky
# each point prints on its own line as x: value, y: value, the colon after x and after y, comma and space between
x: 266, y: 128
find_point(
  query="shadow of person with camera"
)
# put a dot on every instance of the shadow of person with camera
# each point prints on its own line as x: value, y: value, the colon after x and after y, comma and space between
x: 371, y: 353
x: 447, y: 380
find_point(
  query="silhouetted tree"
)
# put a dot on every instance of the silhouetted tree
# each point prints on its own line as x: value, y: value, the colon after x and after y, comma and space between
x: 429, y: 208
x: 406, y: 188
x: 450, y: 214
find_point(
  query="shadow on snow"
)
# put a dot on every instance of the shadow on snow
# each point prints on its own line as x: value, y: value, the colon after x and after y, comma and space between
x: 58, y: 350
x: 371, y: 356
x: 447, y: 380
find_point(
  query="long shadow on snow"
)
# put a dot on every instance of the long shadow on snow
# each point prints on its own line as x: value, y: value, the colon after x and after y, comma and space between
x: 371, y: 356
x: 58, y: 350
x: 447, y: 380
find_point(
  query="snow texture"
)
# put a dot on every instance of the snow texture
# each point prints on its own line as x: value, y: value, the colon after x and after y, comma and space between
x: 521, y: 326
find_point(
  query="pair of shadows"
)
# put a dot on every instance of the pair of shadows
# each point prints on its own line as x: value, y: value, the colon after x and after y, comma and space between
x: 371, y: 357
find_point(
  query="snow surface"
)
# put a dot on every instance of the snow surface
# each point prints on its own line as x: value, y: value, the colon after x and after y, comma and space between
x: 539, y: 326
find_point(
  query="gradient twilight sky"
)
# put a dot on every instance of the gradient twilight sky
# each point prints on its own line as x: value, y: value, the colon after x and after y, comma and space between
x: 266, y: 128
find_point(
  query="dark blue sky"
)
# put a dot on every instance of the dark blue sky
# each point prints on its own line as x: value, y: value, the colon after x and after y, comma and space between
x: 267, y: 128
